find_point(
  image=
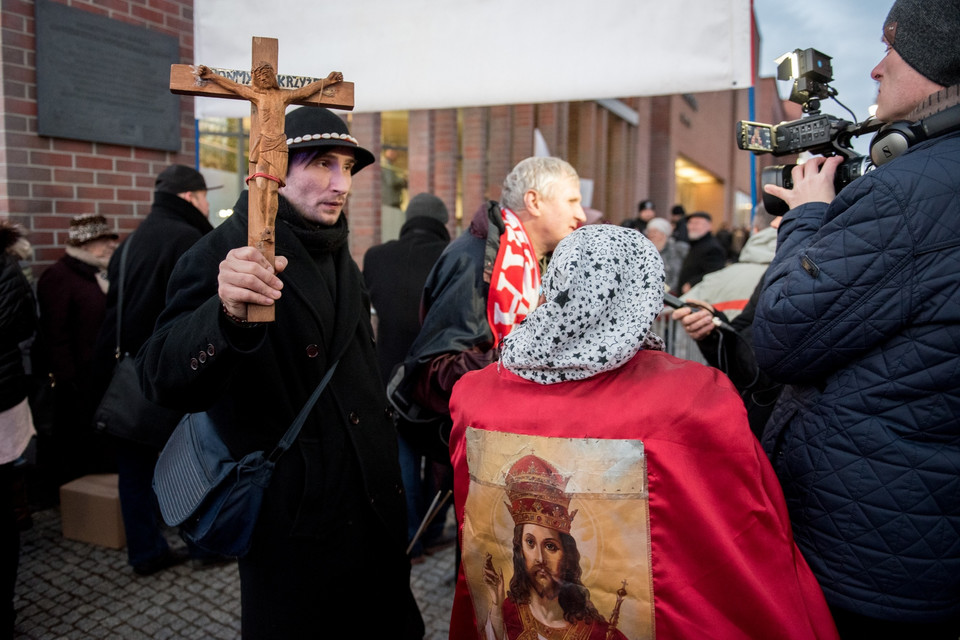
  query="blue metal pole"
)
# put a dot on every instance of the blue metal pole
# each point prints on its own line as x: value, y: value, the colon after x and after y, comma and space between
x: 753, y: 157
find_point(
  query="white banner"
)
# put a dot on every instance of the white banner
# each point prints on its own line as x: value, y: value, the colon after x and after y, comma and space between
x: 427, y: 54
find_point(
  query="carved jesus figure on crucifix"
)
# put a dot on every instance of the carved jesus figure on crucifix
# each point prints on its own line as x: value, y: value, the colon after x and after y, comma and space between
x: 269, y: 151
x: 268, y: 147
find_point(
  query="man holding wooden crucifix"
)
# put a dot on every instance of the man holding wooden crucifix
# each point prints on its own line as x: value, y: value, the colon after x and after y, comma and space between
x: 329, y: 546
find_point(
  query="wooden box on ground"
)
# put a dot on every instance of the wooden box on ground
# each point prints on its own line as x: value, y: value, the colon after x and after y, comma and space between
x: 90, y: 511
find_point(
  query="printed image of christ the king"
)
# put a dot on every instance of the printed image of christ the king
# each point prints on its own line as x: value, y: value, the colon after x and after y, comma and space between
x: 546, y: 596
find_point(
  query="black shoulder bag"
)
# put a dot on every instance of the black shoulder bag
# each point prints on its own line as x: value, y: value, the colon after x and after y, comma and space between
x: 213, y: 498
x: 123, y: 411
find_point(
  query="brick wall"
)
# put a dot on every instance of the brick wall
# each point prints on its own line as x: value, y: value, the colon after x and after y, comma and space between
x: 552, y: 122
x: 46, y: 181
x: 363, y: 207
x: 611, y: 193
x: 447, y: 153
x: 627, y: 162
x: 499, y: 145
x: 662, y: 153
x: 433, y: 154
x: 420, y: 156
x: 474, y: 166
x: 522, y: 139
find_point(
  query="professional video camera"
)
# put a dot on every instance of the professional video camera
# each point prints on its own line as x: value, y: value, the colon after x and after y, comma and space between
x: 816, y: 132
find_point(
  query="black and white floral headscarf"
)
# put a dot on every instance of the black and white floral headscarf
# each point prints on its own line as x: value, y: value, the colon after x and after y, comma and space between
x: 603, y: 290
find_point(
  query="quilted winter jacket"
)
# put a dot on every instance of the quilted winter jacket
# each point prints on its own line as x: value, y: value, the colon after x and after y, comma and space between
x: 861, y: 317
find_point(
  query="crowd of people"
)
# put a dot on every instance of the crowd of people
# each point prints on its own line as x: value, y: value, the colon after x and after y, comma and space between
x: 802, y: 484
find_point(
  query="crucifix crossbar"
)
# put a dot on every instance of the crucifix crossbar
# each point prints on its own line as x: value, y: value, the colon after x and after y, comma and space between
x: 269, y: 95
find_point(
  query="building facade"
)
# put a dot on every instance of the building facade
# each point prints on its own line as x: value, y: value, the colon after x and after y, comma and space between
x: 676, y: 149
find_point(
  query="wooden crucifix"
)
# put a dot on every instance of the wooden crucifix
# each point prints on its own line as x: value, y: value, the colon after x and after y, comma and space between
x: 269, y: 95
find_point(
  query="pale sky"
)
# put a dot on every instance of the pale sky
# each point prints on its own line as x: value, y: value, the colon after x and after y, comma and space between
x: 847, y: 30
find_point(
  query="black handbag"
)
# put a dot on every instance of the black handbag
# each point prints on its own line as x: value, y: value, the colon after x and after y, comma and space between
x: 427, y: 432
x: 123, y: 411
x: 213, y: 498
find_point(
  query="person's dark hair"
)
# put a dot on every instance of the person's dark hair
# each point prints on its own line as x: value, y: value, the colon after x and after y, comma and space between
x: 574, y: 598
x: 305, y: 156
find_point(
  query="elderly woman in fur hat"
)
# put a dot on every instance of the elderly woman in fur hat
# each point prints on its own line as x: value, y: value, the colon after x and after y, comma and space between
x: 72, y: 298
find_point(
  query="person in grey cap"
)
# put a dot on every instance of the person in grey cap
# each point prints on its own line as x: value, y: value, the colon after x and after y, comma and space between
x: 395, y: 273
x: 860, y: 317
x: 177, y: 219
x: 331, y: 536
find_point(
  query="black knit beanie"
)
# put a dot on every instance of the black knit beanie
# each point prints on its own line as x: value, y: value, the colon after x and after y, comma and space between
x: 926, y: 34
x: 427, y: 205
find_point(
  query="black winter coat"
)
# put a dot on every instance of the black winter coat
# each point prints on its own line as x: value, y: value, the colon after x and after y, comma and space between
x: 706, y: 255
x: 333, y: 524
x: 72, y: 304
x: 395, y: 273
x: 172, y: 226
x: 71, y: 314
x: 18, y: 319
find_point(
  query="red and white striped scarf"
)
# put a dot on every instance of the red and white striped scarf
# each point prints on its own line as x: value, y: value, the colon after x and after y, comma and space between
x: 515, y: 282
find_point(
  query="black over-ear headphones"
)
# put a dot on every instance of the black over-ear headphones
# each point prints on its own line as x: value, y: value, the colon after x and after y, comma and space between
x: 893, y: 139
x: 896, y: 137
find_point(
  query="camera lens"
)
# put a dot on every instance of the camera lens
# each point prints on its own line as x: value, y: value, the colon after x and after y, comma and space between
x: 778, y: 175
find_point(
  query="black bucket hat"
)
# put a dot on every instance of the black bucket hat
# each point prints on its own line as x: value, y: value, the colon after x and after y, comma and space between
x: 312, y: 127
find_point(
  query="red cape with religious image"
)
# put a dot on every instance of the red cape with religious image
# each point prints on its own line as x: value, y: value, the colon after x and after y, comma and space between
x: 636, y: 499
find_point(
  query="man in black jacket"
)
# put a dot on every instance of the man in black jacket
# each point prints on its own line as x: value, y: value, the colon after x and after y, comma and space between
x: 395, y: 273
x: 329, y: 542
x: 177, y: 219
x: 706, y: 254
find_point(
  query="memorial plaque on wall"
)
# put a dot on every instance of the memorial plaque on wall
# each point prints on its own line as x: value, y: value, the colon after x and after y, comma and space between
x: 104, y: 81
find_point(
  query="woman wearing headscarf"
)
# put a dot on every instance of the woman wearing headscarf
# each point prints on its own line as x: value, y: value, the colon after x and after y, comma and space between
x: 587, y: 429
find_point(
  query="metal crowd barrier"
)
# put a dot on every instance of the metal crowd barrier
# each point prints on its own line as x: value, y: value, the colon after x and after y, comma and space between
x: 677, y: 342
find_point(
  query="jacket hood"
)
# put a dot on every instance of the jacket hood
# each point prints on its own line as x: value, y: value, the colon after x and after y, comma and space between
x: 480, y: 223
x: 760, y: 247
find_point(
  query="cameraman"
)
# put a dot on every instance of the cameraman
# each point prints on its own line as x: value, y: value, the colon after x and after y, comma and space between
x: 860, y: 316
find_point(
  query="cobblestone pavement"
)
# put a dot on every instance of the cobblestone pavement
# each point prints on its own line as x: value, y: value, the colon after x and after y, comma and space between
x: 74, y: 590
